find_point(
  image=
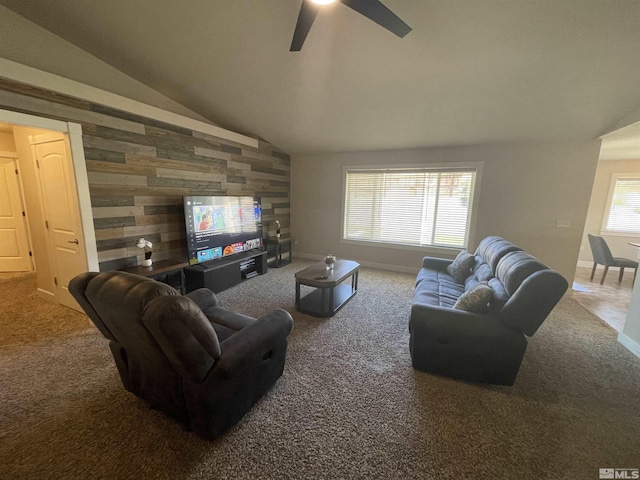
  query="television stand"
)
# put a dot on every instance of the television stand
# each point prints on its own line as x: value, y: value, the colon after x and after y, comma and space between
x: 225, y: 272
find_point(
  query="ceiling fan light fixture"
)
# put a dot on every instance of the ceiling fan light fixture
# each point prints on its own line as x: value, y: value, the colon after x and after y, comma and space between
x: 374, y: 10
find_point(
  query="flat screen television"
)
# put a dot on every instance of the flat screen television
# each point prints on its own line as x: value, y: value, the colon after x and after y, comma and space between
x: 221, y: 226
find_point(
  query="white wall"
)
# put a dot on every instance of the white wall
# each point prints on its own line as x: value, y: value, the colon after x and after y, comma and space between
x: 619, y: 245
x: 630, y: 335
x: 525, y: 189
x: 25, y: 42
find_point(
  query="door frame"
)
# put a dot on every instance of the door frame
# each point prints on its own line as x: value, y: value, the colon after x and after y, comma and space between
x: 73, y: 133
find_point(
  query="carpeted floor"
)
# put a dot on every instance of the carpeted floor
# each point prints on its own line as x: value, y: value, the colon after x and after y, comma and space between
x: 27, y: 318
x: 348, y: 406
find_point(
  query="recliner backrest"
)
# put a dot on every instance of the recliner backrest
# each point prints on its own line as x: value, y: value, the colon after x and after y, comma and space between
x: 115, y: 302
x: 119, y: 299
x: 185, y: 335
x: 600, y: 250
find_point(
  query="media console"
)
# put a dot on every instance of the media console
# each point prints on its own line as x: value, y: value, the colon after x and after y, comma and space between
x: 223, y: 273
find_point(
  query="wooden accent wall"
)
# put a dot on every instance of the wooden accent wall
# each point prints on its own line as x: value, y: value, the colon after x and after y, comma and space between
x: 139, y: 169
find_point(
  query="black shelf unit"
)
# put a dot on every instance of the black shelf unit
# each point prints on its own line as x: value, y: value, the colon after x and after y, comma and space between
x: 281, y: 250
x: 223, y: 273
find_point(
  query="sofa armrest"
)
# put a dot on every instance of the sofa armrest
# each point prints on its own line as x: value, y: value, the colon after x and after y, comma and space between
x: 435, y: 263
x: 434, y: 319
x: 203, y: 297
x: 253, y: 343
x: 464, y: 345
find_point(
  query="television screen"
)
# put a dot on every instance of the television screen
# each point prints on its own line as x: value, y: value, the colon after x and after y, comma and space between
x: 221, y: 226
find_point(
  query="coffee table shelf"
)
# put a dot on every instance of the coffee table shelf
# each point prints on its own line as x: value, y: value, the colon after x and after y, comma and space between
x: 317, y: 301
x: 329, y: 294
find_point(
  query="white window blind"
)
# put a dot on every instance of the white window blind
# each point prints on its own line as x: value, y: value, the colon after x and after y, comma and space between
x: 415, y: 207
x: 624, y: 211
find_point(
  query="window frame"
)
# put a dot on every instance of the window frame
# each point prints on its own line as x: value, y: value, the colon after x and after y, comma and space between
x: 605, y: 216
x: 452, y: 166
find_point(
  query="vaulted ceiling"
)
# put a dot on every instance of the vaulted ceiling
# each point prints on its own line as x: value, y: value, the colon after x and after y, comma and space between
x: 470, y: 72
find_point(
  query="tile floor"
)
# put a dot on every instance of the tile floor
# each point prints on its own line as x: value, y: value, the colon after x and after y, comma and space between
x: 610, y: 301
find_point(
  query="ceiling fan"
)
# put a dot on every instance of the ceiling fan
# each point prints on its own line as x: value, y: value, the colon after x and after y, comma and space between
x: 372, y: 9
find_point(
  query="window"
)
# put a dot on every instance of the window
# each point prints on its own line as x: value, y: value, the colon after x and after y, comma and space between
x: 623, y: 210
x: 422, y: 207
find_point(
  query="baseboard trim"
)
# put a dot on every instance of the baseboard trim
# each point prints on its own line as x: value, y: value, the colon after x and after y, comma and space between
x: 584, y: 264
x: 379, y: 266
x: 629, y: 344
x: 46, y: 295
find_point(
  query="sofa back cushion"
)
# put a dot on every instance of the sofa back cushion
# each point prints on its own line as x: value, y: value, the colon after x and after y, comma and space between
x: 492, y: 249
x: 533, y: 291
x: 514, y: 267
x: 482, y: 270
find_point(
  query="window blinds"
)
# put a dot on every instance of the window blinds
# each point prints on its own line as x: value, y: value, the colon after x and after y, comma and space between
x: 624, y: 213
x: 415, y: 207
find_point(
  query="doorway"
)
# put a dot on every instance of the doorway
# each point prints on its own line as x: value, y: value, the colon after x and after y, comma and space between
x: 619, y: 154
x: 52, y: 180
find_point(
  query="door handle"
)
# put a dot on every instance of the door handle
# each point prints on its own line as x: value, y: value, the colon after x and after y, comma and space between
x: 73, y: 241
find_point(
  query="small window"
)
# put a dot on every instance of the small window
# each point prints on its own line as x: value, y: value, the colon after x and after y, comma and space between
x: 422, y: 207
x: 623, y: 209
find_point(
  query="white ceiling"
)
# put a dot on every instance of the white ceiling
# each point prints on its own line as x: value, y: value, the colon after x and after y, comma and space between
x: 470, y: 72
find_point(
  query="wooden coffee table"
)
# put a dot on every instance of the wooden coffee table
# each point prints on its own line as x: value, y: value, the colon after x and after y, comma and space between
x: 329, y: 294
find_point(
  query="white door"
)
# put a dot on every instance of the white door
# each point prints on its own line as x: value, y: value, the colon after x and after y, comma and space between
x: 62, y: 214
x: 14, y: 240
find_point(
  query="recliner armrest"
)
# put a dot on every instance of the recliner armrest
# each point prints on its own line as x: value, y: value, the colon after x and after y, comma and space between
x: 252, y: 344
x: 203, y: 297
x: 436, y: 263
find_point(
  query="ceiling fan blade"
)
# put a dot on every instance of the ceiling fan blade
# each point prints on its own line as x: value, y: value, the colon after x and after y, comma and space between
x: 374, y: 10
x: 307, y: 15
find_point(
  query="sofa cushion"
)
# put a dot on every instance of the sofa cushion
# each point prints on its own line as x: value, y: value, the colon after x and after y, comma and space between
x: 500, y: 296
x: 461, y: 267
x: 492, y: 249
x: 475, y: 299
x: 515, y: 267
x: 483, y: 272
x: 227, y: 323
x: 437, y: 288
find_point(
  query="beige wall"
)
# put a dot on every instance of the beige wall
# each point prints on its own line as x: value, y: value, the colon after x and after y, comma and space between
x: 29, y: 44
x: 524, y: 190
x: 6, y: 142
x: 619, y: 245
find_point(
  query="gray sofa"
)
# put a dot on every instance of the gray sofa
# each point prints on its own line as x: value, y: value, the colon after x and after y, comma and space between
x: 488, y: 346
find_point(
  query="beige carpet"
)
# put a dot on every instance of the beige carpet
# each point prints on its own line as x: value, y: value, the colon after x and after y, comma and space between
x: 348, y: 406
x: 27, y: 318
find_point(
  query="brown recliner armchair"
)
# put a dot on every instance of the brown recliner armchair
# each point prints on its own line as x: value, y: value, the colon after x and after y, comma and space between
x: 185, y: 355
